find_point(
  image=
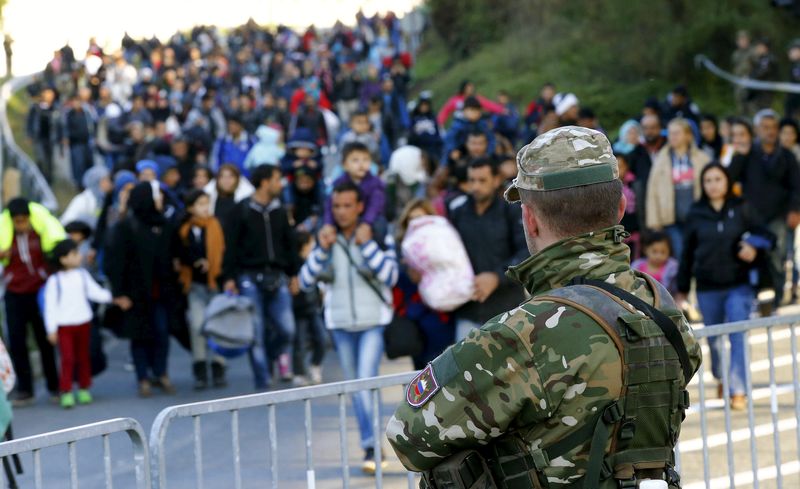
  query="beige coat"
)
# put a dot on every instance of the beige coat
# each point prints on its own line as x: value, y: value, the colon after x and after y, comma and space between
x: 660, y: 206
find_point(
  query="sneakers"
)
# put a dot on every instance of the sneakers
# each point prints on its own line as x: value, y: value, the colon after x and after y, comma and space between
x: 68, y: 400
x: 369, y: 466
x: 315, y: 372
x: 145, y: 389
x: 165, y: 385
x: 284, y: 368
x: 21, y: 399
x: 84, y: 397
x: 738, y: 402
x: 300, y: 381
x: 218, y: 374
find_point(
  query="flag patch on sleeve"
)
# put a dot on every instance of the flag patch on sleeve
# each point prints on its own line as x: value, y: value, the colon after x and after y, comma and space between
x: 422, y: 388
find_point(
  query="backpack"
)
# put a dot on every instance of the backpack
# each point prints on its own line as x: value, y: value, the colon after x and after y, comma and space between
x: 643, y: 424
x: 230, y: 325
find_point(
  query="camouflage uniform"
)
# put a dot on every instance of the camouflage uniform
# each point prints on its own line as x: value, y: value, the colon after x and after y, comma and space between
x: 543, y: 369
x: 742, y: 59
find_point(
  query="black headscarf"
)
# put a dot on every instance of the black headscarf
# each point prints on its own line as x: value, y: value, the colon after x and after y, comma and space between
x: 143, y: 206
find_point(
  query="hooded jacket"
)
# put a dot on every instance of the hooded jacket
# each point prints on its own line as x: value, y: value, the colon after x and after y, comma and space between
x: 86, y: 206
x: 267, y: 151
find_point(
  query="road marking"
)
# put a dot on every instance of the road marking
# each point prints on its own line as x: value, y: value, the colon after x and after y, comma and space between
x: 761, y: 393
x: 757, y: 366
x: 721, y: 439
x: 746, y: 478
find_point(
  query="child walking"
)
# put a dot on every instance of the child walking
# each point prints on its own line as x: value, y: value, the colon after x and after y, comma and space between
x: 68, y: 319
x: 310, y: 329
x: 657, y: 261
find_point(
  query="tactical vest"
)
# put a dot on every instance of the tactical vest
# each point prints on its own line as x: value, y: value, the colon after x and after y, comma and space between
x: 632, y: 438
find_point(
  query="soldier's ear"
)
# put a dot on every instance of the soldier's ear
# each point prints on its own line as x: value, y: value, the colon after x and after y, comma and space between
x: 623, y: 204
x: 530, y: 221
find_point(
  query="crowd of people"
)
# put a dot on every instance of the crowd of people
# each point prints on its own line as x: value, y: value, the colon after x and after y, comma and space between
x: 292, y: 168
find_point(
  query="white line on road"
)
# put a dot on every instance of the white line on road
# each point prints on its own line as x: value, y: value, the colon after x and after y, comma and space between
x: 720, y: 439
x: 757, y: 366
x: 761, y: 393
x: 746, y: 478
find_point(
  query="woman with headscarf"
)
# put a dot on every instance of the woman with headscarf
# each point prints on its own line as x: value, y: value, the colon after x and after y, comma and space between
x: 141, y: 266
x: 86, y: 206
x: 630, y: 136
x: 113, y: 210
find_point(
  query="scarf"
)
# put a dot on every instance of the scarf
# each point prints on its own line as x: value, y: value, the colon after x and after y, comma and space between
x: 215, y: 247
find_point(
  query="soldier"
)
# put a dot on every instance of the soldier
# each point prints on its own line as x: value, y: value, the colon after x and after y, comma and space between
x: 743, y: 58
x: 584, y: 384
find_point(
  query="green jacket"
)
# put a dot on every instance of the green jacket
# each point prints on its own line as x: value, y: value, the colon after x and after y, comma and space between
x: 542, y: 368
x: 45, y: 224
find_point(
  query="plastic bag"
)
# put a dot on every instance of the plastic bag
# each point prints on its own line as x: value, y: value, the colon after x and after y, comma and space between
x: 433, y: 247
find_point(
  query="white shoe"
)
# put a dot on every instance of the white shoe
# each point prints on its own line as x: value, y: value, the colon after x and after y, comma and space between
x: 315, y: 372
x: 300, y: 381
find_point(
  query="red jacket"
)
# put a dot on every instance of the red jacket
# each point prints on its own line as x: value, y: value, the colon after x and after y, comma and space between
x: 26, y: 271
x: 299, y: 96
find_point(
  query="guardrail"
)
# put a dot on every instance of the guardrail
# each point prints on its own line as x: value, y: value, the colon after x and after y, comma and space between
x: 702, y: 60
x: 33, y: 185
x: 158, y: 433
x: 69, y: 437
x: 771, y: 392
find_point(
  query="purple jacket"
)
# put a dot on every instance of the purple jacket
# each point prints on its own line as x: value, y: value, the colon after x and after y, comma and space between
x: 373, y: 193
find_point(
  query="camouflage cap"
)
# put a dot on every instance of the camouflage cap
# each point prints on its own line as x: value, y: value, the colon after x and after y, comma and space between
x: 565, y: 157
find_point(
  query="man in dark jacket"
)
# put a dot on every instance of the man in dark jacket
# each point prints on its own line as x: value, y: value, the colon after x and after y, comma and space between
x: 491, y: 230
x: 346, y: 88
x: 679, y: 104
x: 259, y: 256
x: 764, y: 69
x: 77, y: 137
x: 41, y: 127
x: 472, y: 121
x: 770, y: 179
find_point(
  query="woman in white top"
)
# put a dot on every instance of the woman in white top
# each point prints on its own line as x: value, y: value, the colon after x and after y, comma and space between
x: 228, y: 189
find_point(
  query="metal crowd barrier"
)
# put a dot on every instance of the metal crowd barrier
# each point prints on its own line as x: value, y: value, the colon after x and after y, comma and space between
x: 33, y: 185
x: 233, y: 405
x: 767, y: 389
x: 704, y: 61
x: 69, y: 437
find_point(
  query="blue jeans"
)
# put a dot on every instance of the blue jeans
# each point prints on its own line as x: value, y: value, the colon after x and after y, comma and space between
x: 464, y: 327
x: 275, y: 327
x: 80, y: 157
x: 721, y: 306
x: 360, y: 354
x: 675, y: 233
x: 150, y: 355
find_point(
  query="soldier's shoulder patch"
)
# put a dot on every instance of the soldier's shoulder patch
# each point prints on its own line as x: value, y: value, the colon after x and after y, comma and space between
x: 422, y: 388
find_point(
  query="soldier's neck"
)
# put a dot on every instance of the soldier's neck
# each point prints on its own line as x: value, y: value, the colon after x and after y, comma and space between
x: 594, y: 255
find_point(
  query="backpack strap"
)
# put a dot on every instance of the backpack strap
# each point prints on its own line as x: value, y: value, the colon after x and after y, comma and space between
x: 667, y: 326
x: 605, y: 311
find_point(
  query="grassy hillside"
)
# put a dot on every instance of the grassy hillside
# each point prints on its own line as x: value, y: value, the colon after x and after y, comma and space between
x: 17, y: 111
x: 611, y: 54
